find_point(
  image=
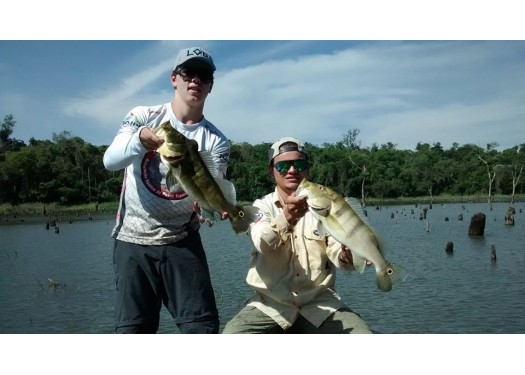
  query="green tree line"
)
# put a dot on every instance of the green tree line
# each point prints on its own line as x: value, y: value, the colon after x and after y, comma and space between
x: 67, y: 170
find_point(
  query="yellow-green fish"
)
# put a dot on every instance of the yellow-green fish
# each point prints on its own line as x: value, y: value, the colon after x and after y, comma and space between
x: 189, y: 168
x: 337, y: 218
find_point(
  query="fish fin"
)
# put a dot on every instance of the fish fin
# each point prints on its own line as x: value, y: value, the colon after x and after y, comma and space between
x: 358, y: 209
x: 228, y: 190
x: 248, y: 215
x: 321, y: 230
x: 390, y: 276
x: 359, y: 263
x: 380, y: 241
x: 171, y: 180
x: 207, y: 217
x: 209, y: 161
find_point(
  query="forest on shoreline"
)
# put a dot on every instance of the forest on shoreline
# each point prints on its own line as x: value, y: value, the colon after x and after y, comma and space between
x: 67, y: 172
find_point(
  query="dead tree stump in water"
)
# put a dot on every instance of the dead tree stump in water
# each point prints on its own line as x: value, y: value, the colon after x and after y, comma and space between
x: 477, y: 225
x: 509, y: 216
x: 509, y: 219
x: 493, y: 252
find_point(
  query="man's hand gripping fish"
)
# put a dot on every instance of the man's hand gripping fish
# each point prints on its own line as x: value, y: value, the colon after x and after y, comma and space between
x: 339, y: 219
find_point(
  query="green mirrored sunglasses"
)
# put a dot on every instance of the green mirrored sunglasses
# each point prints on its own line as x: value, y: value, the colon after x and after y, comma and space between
x: 284, y: 165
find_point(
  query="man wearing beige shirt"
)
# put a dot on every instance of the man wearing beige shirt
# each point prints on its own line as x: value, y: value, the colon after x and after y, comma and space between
x: 293, y: 267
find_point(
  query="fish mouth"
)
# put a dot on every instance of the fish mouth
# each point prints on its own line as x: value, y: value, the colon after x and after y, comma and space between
x: 172, y: 159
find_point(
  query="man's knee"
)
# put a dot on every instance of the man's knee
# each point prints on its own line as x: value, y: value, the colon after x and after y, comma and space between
x: 206, y: 324
x: 345, y: 321
x: 145, y: 327
x: 230, y: 328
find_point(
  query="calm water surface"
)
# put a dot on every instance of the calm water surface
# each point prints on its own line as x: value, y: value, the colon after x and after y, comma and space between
x: 464, y: 292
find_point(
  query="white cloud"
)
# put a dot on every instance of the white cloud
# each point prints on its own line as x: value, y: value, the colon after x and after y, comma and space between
x: 404, y: 93
x: 476, y: 124
x: 107, y: 107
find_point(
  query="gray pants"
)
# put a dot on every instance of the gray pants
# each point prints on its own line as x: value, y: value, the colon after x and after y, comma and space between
x: 175, y: 275
x: 251, y: 320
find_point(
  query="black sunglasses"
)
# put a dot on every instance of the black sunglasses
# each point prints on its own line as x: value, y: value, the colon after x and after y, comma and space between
x: 187, y: 74
x: 284, y: 165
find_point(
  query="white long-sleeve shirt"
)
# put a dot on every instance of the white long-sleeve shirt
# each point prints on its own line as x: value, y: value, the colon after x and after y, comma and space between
x: 293, y: 267
x: 148, y: 212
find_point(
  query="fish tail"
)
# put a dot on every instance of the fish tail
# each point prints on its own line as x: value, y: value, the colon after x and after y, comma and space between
x: 247, y: 216
x: 389, y: 276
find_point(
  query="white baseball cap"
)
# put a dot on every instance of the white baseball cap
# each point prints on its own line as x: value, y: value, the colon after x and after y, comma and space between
x: 286, y: 144
x: 194, y: 53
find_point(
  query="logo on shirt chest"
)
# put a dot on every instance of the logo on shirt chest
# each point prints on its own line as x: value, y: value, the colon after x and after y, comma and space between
x: 153, y: 173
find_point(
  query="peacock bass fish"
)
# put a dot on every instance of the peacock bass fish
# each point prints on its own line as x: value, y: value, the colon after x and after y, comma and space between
x: 191, y: 170
x: 337, y: 218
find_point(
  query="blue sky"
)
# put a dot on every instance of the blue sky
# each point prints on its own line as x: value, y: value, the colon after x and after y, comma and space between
x: 392, y: 91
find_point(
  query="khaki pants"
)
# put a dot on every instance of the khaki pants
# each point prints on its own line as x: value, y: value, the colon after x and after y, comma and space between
x: 252, y: 320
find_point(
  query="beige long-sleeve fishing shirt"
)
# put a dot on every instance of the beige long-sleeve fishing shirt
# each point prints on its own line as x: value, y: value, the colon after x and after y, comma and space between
x: 293, y: 267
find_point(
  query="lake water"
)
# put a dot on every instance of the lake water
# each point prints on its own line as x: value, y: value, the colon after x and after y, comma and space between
x: 462, y: 292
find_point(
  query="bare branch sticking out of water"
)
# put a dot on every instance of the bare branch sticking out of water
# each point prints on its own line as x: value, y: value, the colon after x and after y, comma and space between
x: 54, y: 284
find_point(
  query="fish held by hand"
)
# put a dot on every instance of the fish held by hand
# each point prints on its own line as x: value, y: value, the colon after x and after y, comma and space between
x: 339, y: 219
x: 191, y: 170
